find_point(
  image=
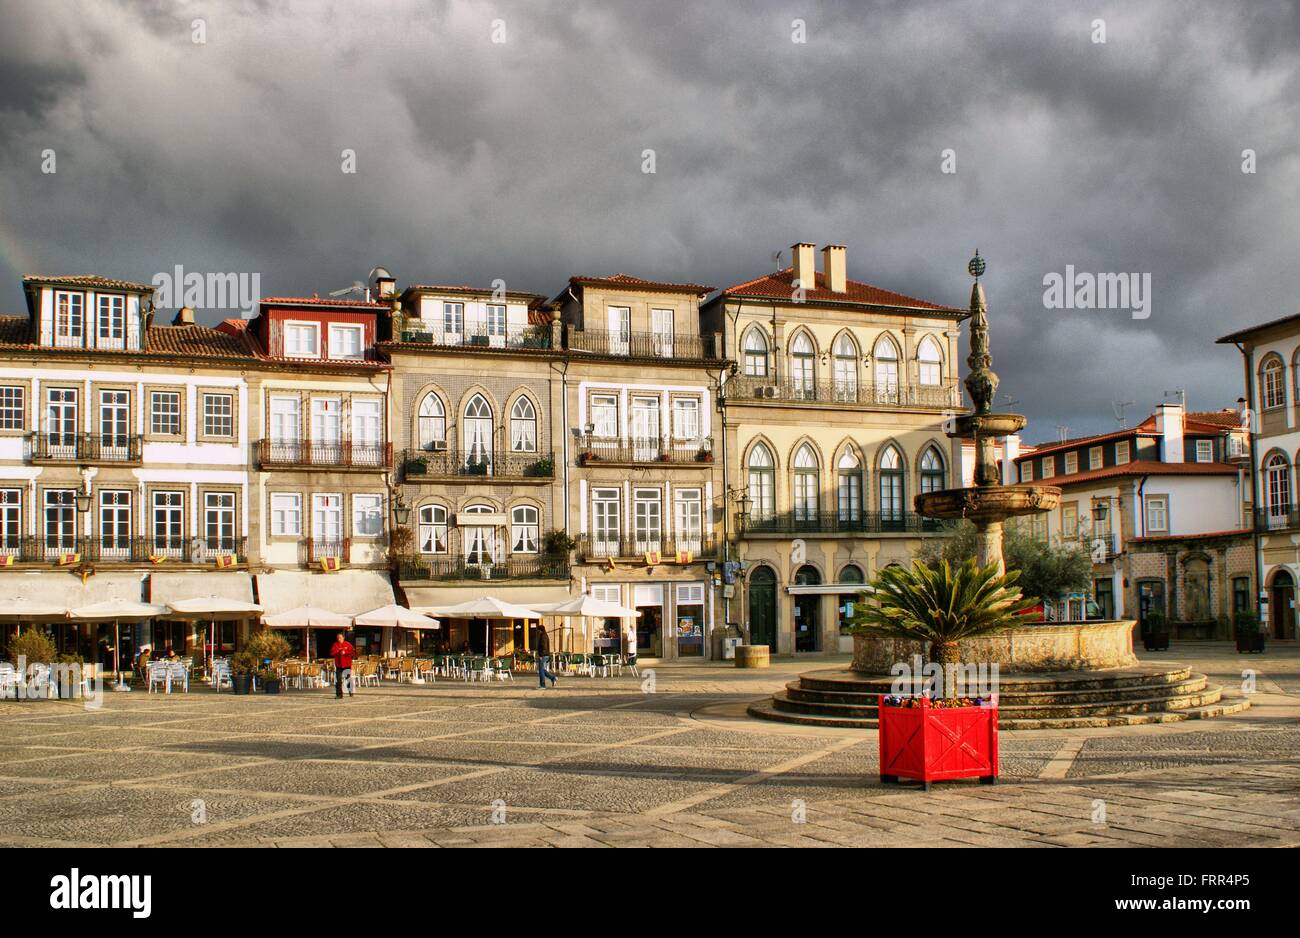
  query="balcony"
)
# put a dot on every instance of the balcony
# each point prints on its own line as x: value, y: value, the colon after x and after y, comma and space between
x: 433, y: 567
x: 108, y: 549
x: 700, y: 546
x: 1277, y: 518
x: 84, y: 448
x: 594, y: 451
x: 789, y: 524
x: 517, y: 337
x: 313, y: 550
x: 305, y: 454
x: 477, y: 465
x: 765, y: 390
x: 646, y: 345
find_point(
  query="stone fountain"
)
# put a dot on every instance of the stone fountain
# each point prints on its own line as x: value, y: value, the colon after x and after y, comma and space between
x: 989, y: 503
x: 1052, y: 674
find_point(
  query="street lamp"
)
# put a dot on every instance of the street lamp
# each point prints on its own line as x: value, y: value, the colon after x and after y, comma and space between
x: 83, y: 497
x: 401, y: 510
x: 1099, y: 508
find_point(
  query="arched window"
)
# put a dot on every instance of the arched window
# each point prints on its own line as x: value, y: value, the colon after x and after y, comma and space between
x: 846, y: 369
x: 755, y: 353
x: 523, y: 530
x: 891, y: 487
x: 805, y: 484
x: 1274, y: 381
x: 479, y: 541
x: 931, y: 470
x: 1277, y: 483
x: 433, y: 529
x: 523, y: 426
x: 930, y: 362
x: 762, y: 483
x: 849, y: 487
x: 431, y: 424
x: 803, y: 367
x: 852, y: 573
x: 885, y: 354
x: 477, y: 435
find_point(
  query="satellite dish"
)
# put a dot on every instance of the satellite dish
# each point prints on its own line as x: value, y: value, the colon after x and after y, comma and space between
x: 378, y: 272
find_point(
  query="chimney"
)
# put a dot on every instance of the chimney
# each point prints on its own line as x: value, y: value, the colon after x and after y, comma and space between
x: 1169, y: 424
x: 805, y: 264
x: 833, y: 268
x: 1010, y: 453
x: 184, y: 316
x: 387, y: 285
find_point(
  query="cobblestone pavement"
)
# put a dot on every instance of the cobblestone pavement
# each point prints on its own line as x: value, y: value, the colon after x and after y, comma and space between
x: 601, y: 762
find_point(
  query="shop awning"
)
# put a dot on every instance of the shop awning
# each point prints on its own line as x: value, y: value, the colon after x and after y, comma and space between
x: 484, y: 607
x: 827, y: 589
x: 347, y: 592
x: 204, y: 595
x: 26, y: 610
x: 395, y: 617
x: 428, y: 597
x: 64, y: 589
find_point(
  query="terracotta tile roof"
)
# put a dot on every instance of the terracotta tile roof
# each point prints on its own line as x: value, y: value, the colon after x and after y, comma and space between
x: 1142, y: 467
x: 464, y: 290
x: 15, y: 332
x: 780, y: 285
x: 196, y: 341
x: 1043, y: 449
x: 318, y: 301
x: 628, y: 282
x: 90, y: 281
x: 1218, y: 418
x: 1241, y: 532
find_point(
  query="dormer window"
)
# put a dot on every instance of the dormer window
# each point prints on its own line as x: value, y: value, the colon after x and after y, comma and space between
x: 302, y: 339
x: 110, y: 317
x: 347, y: 340
x: 69, y: 319
x: 1071, y: 463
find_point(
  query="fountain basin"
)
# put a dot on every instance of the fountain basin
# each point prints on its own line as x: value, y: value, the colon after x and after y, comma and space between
x: 969, y: 426
x: 988, y: 503
x: 1050, y: 646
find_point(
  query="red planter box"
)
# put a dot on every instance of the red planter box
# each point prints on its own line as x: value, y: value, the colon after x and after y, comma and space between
x: 932, y: 744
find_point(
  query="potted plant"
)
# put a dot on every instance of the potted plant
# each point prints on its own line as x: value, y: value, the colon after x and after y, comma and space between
x: 268, y: 677
x: 1155, y: 632
x: 476, y: 467
x: 267, y: 648
x: 541, y: 469
x: 955, y: 736
x: 704, y: 455
x: 242, y: 666
x: 1250, y: 633
x: 415, y: 466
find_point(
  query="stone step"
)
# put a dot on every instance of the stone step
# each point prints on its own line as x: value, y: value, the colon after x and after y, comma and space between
x: 1062, y: 693
x: 853, y: 682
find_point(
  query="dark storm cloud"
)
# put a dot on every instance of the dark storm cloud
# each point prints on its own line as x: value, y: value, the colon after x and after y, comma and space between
x: 522, y: 160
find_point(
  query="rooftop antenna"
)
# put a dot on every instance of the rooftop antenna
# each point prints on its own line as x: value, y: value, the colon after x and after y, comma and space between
x: 1009, y: 401
x: 776, y: 259
x: 357, y: 287
x: 1062, y: 433
x: 1118, y: 408
x: 1182, y: 396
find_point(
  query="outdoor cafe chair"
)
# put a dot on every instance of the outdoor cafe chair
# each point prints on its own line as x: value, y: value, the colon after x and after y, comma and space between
x: 221, y: 674
x: 501, y: 668
x: 369, y: 674
x: 178, y: 674
x: 425, y: 669
x: 475, y: 670
x: 157, y: 675
x: 405, y: 669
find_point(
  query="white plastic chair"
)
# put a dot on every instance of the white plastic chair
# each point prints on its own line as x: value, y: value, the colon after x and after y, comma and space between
x: 221, y: 674
x: 178, y: 674
x: 158, y: 674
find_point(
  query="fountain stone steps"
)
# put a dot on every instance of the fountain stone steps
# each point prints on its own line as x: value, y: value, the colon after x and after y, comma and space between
x: 794, y: 691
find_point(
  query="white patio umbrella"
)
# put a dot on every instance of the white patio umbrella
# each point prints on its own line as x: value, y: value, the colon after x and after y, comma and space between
x: 589, y: 607
x: 210, y: 608
x: 308, y: 617
x: 485, y: 607
x: 395, y: 617
x: 116, y: 610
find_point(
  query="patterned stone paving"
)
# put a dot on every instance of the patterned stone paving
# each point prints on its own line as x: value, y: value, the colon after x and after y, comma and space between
x: 599, y: 762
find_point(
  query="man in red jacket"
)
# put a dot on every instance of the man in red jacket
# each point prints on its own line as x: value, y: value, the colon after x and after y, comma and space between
x: 342, y: 651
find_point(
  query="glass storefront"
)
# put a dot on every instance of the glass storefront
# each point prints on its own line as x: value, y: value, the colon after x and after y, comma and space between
x: 690, y: 620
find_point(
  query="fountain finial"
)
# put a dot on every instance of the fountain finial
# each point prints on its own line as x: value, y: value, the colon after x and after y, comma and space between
x: 981, y: 382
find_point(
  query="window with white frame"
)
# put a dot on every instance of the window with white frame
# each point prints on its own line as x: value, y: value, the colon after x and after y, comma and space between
x: 688, y: 519
x: 686, y: 418
x: 1205, y: 451
x: 1274, y: 380
x: 165, y: 413
x: 929, y: 362
x: 1277, y: 479
x: 661, y: 325
x: 347, y: 340
x: 13, y: 402
x: 523, y: 426
x: 803, y: 366
x: 604, y: 415
x: 286, y: 420
x: 1157, y: 514
x: 891, y: 486
x: 367, y: 428
x: 431, y: 423
x: 1121, y: 452
x: 115, y: 522
x: 523, y: 529
x: 326, y: 421
x: 1071, y: 463
x: 110, y: 318
x: 931, y: 470
x: 433, y: 529
x: 167, y: 523
x: 69, y: 319
x: 11, y: 519
x: 805, y: 484
x: 755, y: 353
x: 1026, y: 471
x: 367, y: 515
x: 1049, y: 467
x: 479, y: 541
x: 286, y: 514
x: 496, y: 323
x: 219, y: 520
x: 327, y: 518
x: 647, y: 518
x: 849, y: 486
x: 885, y: 354
x: 762, y: 482
x: 453, y: 319
x: 1096, y: 458
x: 845, y: 368
x: 605, y: 521
x: 302, y: 339
x: 60, y: 519
x: 219, y: 415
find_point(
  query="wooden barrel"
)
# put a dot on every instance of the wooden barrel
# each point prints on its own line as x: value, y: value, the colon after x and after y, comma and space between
x: 752, y: 656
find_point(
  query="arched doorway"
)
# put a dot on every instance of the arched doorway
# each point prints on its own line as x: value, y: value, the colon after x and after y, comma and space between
x: 807, y: 633
x: 1281, y: 608
x: 762, y: 608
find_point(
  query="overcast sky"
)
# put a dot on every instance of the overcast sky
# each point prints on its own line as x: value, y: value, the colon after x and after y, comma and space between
x: 522, y: 160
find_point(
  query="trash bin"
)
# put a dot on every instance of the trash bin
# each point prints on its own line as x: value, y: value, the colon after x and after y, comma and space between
x: 729, y: 648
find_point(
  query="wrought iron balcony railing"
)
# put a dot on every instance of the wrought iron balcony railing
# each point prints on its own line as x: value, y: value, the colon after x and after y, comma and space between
x: 646, y: 345
x: 86, y: 447
x: 699, y: 546
x: 833, y: 522
x: 1277, y: 518
x: 516, y: 567
x: 134, y: 549
x: 312, y: 550
x: 760, y: 389
x: 426, y: 465
x: 418, y: 332
x: 305, y: 454
x: 594, y: 450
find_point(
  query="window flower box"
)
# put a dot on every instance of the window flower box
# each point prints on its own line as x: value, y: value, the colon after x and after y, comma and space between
x: 933, y: 740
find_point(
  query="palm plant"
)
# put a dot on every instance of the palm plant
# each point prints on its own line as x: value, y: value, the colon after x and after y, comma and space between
x: 940, y: 605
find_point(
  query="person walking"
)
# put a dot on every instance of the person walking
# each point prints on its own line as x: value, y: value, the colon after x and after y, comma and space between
x: 543, y: 645
x: 342, y: 651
